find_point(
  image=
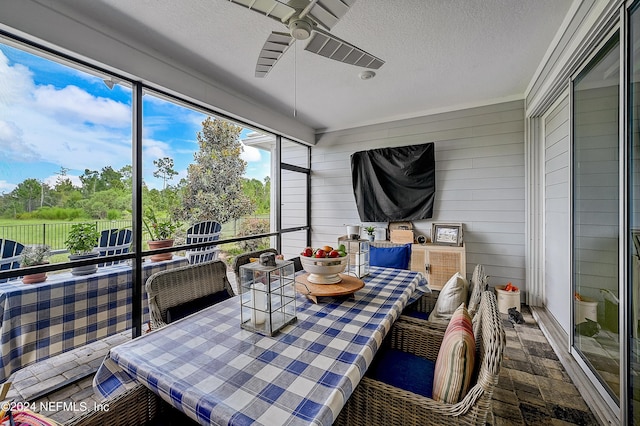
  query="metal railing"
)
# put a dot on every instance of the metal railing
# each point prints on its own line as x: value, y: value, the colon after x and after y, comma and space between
x: 53, y: 234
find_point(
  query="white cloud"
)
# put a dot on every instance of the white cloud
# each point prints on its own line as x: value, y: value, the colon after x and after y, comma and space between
x: 15, y: 82
x: 6, y: 187
x: 67, y: 127
x: 154, y: 149
x: 72, y: 104
x: 13, y: 145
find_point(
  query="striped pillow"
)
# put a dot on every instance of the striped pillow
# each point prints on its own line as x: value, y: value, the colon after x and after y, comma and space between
x: 456, y: 359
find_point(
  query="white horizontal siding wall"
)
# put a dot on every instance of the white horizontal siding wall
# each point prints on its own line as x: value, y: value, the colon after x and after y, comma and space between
x: 294, y: 198
x: 479, y: 156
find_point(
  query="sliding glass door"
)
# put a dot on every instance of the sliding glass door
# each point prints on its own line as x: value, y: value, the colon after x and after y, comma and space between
x: 633, y: 213
x: 595, y: 209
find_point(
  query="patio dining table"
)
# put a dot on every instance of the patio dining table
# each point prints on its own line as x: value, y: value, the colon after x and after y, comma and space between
x: 38, y: 321
x: 215, y: 372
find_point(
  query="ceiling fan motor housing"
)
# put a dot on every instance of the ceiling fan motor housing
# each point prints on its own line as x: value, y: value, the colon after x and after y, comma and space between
x: 300, y: 29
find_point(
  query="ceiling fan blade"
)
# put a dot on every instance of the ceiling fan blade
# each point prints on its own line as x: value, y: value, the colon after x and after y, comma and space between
x: 273, y: 9
x: 330, y: 46
x: 277, y: 43
x: 327, y: 12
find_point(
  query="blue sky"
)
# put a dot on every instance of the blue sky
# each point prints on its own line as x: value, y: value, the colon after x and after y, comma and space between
x: 54, y: 116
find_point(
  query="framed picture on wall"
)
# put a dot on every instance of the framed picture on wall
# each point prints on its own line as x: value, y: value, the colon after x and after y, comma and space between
x: 446, y: 234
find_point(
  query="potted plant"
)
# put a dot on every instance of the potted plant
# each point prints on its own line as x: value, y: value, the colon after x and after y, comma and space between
x: 33, y: 256
x: 370, y: 232
x: 81, y: 241
x: 161, y: 233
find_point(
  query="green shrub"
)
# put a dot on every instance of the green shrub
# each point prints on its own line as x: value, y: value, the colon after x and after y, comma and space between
x: 114, y: 214
x: 57, y: 213
x: 254, y: 226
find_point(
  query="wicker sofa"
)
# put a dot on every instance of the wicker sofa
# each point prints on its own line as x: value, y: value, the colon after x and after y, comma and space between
x: 377, y: 403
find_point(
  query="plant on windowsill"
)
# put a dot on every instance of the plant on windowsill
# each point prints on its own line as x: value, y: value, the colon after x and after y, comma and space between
x: 34, y: 256
x: 161, y: 233
x: 81, y: 241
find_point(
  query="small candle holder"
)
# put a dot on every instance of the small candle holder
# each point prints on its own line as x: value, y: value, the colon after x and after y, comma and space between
x: 357, y: 256
x: 267, y: 296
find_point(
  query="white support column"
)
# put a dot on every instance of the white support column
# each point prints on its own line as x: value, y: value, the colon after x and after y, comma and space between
x: 534, y: 207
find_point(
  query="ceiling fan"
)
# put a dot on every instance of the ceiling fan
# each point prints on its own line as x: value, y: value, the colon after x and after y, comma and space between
x: 304, y: 19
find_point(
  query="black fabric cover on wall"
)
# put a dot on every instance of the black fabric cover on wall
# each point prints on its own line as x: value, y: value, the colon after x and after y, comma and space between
x: 394, y: 184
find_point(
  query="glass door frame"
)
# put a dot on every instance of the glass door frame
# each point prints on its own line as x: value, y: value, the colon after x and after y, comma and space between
x: 616, y: 406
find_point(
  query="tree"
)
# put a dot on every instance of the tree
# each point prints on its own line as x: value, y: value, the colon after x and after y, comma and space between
x: 259, y: 194
x: 165, y: 170
x: 214, y: 181
x: 89, y: 181
x: 63, y: 190
x: 110, y: 179
x: 100, y: 203
x: 28, y: 193
x: 127, y: 177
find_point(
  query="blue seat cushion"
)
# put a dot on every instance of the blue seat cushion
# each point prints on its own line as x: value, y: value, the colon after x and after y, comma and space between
x: 416, y: 314
x: 390, y: 257
x: 403, y: 370
x: 411, y: 311
x: 177, y: 312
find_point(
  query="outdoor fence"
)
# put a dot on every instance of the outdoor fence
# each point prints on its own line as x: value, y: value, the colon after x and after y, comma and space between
x: 54, y: 234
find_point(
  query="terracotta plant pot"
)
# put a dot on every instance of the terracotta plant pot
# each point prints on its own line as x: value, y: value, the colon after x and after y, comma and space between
x: 34, y: 278
x: 158, y: 244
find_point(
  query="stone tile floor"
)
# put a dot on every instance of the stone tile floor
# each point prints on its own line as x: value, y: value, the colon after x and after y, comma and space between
x: 533, y: 389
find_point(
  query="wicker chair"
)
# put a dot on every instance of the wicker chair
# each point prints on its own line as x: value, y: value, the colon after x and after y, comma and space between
x: 427, y: 302
x: 377, y: 403
x: 135, y: 407
x: 244, y: 258
x: 173, y: 287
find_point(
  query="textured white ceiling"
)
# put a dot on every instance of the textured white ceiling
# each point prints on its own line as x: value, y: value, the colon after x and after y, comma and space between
x: 440, y: 54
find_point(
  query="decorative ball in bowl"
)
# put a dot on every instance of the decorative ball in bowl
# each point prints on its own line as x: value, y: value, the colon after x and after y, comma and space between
x: 324, y: 270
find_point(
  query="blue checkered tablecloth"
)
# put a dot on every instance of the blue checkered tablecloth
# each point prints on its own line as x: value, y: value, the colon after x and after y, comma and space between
x: 217, y: 373
x: 66, y: 311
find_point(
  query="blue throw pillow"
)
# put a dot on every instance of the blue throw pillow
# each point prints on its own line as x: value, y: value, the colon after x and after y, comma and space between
x: 175, y: 313
x: 403, y: 370
x: 390, y: 257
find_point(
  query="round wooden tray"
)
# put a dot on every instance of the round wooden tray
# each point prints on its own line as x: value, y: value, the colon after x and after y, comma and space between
x: 348, y: 285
